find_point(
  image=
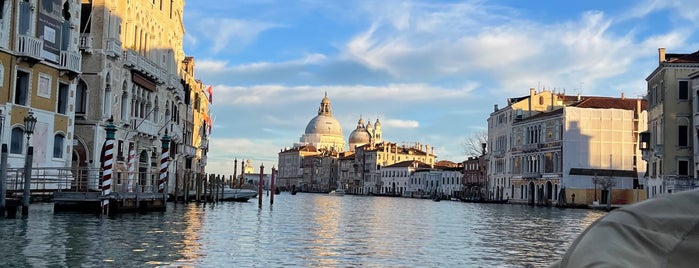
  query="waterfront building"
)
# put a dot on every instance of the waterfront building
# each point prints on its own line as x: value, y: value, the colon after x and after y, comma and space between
x: 670, y: 142
x: 39, y: 65
x: 499, y: 158
x: 290, y: 172
x: 475, y: 176
x: 567, y: 153
x: 198, y: 121
x: 371, y: 158
x: 319, y: 172
x: 395, y: 178
x: 348, y: 171
x: 136, y: 74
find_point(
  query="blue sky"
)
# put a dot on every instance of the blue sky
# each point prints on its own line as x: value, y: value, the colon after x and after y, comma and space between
x: 431, y: 71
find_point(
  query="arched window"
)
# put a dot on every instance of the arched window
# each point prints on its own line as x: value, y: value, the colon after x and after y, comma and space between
x: 58, y: 146
x: 16, y: 141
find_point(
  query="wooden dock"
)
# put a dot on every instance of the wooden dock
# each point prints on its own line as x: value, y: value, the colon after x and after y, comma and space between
x: 118, y: 202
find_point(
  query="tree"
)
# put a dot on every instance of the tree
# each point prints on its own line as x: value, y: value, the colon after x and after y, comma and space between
x: 473, y: 144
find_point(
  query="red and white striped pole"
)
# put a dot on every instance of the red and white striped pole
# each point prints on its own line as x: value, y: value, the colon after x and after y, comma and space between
x: 132, y: 167
x: 107, y: 166
x: 164, y: 158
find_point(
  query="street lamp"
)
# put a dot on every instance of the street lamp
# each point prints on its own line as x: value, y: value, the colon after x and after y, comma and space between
x: 29, y: 124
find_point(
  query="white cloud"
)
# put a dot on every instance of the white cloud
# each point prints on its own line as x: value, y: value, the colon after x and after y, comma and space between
x: 398, y: 123
x: 229, y: 34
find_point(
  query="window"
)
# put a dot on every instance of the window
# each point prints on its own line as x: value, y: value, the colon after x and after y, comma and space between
x: 682, y: 168
x: 44, y: 88
x: 22, y: 88
x: 16, y: 140
x: 683, y: 93
x: 62, y: 98
x: 682, y: 135
x: 25, y: 13
x: 58, y: 146
x: 80, y: 95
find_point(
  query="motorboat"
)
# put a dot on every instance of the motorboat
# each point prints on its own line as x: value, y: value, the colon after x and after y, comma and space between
x: 240, y: 195
x: 337, y: 192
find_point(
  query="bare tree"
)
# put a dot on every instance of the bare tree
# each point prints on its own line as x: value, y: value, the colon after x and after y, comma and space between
x: 473, y: 144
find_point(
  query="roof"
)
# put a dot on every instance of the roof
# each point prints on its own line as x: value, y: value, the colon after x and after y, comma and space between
x: 682, y: 58
x: 408, y: 163
x: 611, y: 103
x: 594, y: 102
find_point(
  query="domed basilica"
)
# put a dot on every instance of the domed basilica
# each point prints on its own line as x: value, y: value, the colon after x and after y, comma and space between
x: 325, y: 132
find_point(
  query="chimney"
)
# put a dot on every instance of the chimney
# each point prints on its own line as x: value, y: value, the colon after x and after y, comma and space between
x: 495, y: 108
x: 532, y: 91
x: 578, y: 96
x: 483, y: 145
x: 622, y: 95
x: 661, y: 54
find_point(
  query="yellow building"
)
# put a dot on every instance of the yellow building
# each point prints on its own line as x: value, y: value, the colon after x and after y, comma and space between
x: 39, y: 63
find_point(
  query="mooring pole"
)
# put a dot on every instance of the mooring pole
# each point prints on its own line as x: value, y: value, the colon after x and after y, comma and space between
x: 259, y: 187
x: 3, y: 180
x: 271, y: 187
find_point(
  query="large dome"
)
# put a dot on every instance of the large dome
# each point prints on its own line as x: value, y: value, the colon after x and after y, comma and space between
x: 324, y: 124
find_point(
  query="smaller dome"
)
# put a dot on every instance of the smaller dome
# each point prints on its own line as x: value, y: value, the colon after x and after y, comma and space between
x: 359, y: 136
x: 377, y: 125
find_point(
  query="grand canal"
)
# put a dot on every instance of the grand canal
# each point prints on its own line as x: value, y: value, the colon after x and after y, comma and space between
x: 303, y: 230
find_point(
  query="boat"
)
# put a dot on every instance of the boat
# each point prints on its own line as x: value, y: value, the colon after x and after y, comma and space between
x: 240, y: 195
x: 339, y: 191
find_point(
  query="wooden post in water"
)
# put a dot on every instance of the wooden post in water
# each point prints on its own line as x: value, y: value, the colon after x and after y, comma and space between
x: 197, y: 178
x: 211, y: 187
x: 271, y: 187
x: 259, y: 187
x: 235, y: 173
x: 186, y: 187
x: 242, y: 174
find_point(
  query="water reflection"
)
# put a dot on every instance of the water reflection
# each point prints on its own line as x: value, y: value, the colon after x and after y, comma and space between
x: 303, y: 230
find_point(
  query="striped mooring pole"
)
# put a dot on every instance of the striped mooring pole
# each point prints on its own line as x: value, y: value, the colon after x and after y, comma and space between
x: 132, y: 167
x: 164, y: 158
x: 107, y: 165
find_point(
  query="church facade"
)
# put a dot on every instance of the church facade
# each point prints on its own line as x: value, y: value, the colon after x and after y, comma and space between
x: 322, y: 161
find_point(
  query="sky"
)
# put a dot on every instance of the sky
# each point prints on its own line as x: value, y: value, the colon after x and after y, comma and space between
x: 430, y: 71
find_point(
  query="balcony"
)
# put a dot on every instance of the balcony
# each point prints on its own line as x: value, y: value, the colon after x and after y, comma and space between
x: 70, y: 61
x: 531, y: 175
x: 190, y: 150
x: 30, y: 47
x: 175, y: 131
x: 530, y: 147
x: 144, y: 127
x: 113, y: 48
x: 174, y: 83
x: 143, y: 65
x: 86, y: 40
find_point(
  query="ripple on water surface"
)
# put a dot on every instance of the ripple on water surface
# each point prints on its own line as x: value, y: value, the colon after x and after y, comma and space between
x: 309, y: 230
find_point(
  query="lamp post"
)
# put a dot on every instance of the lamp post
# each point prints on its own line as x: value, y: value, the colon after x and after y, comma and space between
x: 29, y: 124
x: 3, y: 168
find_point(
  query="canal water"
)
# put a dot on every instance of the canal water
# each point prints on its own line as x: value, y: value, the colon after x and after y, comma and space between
x: 303, y: 230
